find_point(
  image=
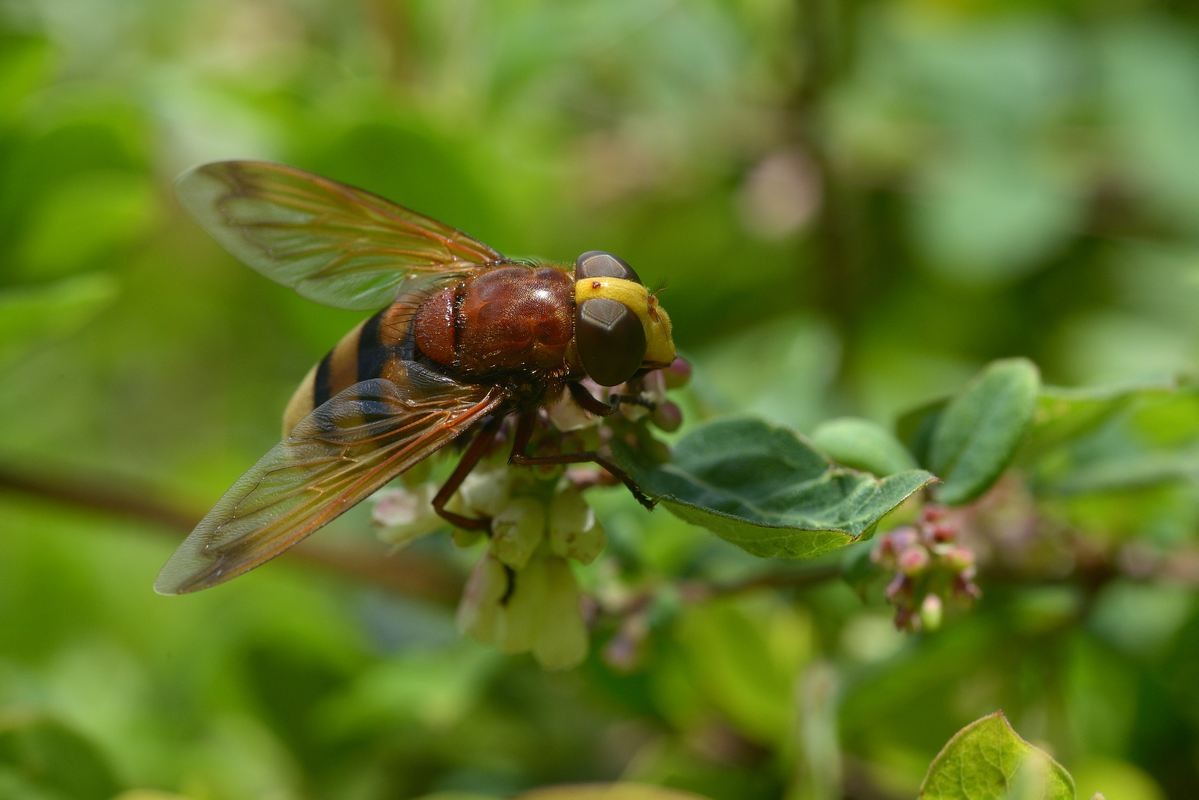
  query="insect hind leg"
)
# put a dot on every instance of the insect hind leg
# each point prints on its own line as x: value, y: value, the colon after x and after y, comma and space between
x: 470, y: 459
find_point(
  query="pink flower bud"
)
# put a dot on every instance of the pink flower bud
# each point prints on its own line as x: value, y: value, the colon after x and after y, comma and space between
x: 625, y: 649
x: 959, y: 559
x: 941, y: 533
x: 883, y: 553
x: 678, y: 374
x: 914, y: 560
x: 966, y: 588
x: 904, y: 537
x: 668, y: 416
x: 899, y: 589
x: 933, y: 513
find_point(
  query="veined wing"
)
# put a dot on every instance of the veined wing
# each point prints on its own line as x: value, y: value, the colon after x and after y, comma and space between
x: 334, y: 458
x: 330, y: 242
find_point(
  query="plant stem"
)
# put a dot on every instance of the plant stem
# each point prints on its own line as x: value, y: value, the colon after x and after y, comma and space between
x: 404, y: 573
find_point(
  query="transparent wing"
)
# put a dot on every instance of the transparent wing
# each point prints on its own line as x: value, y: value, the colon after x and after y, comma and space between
x: 330, y: 242
x: 334, y: 458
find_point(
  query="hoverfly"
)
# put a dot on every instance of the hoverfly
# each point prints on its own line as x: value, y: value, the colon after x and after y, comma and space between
x: 465, y: 339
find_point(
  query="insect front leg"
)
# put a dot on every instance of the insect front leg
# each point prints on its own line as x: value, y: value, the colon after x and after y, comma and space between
x: 520, y: 457
x: 593, y: 405
x: 470, y: 459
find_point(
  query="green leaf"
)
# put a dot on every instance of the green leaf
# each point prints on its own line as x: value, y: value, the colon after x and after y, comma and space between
x: 24, y: 62
x: 979, y: 431
x: 987, y: 760
x: 743, y: 655
x: 915, y: 427
x: 608, y: 791
x: 804, y: 358
x: 1065, y: 414
x: 862, y: 444
x: 990, y: 214
x: 766, y: 490
x: 34, y: 314
x: 53, y: 758
x: 85, y: 219
x: 1095, y: 441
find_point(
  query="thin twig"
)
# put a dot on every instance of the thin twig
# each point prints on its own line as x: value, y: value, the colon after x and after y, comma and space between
x: 799, y: 578
x: 698, y: 591
x: 408, y: 573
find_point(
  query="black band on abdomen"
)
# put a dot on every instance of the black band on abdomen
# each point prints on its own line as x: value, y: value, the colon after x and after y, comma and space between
x: 372, y: 354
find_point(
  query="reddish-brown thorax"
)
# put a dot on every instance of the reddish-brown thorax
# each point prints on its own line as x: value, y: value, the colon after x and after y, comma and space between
x: 504, y: 319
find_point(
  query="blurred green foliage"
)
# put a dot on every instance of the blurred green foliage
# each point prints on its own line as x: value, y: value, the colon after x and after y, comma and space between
x: 853, y: 206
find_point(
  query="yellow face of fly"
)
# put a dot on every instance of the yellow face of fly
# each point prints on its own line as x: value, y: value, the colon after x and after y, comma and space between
x: 659, y: 346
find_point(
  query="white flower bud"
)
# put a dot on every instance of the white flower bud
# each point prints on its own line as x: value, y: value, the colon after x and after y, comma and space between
x: 406, y: 514
x: 567, y: 415
x: 521, y: 616
x: 574, y: 532
x: 479, y: 610
x: 633, y: 411
x: 517, y: 530
x: 534, y: 609
x: 485, y: 491
x: 561, y: 637
x: 653, y: 386
x: 931, y: 612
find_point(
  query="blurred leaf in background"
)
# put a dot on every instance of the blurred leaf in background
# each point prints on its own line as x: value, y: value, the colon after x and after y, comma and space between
x: 854, y: 207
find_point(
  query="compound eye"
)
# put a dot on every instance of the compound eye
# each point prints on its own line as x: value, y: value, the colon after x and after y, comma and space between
x: 610, y: 339
x: 598, y: 264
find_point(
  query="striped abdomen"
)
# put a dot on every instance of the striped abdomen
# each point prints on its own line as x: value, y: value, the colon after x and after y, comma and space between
x: 372, y: 349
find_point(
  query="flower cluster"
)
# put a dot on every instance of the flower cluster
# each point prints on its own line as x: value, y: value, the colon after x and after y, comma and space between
x: 522, y: 595
x: 930, y: 568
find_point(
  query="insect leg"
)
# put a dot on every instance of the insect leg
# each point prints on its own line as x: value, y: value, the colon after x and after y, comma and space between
x: 588, y: 402
x: 470, y: 459
x: 594, y: 405
x: 519, y: 457
x: 632, y: 400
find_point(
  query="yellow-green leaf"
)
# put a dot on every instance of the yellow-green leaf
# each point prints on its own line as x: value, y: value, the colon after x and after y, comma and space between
x: 987, y: 760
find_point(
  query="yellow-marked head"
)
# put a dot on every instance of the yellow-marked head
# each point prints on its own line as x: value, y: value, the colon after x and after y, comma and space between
x: 619, y: 328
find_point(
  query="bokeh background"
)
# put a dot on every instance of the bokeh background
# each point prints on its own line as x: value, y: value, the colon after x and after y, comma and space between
x: 852, y: 206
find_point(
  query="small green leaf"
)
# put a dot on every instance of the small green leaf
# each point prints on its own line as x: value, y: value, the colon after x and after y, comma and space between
x: 987, y: 760
x: 29, y: 315
x: 1095, y: 441
x: 734, y: 651
x: 915, y: 427
x: 767, y: 491
x: 1029, y: 204
x: 608, y: 791
x: 1064, y: 415
x: 53, y: 758
x: 862, y: 444
x: 979, y: 431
